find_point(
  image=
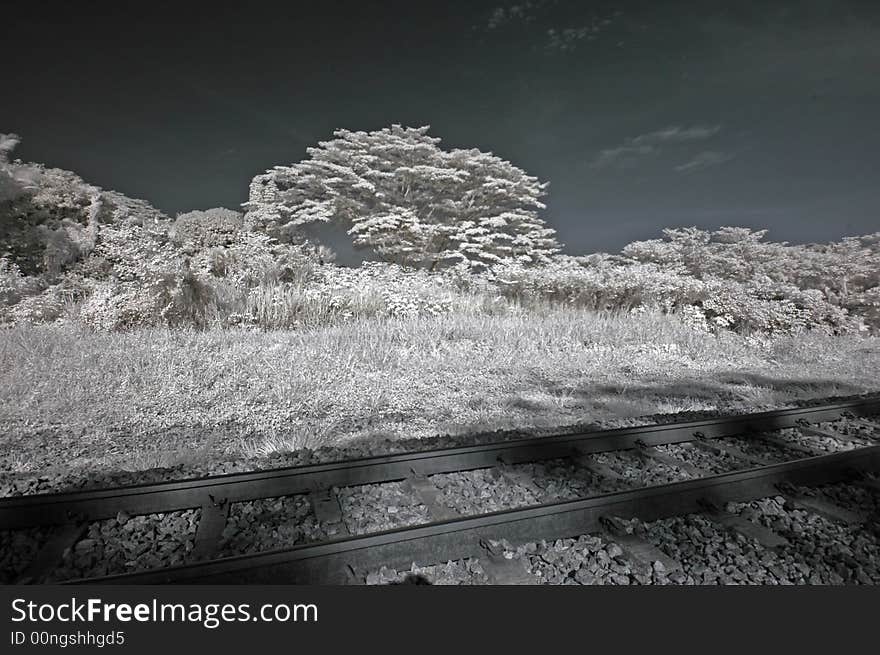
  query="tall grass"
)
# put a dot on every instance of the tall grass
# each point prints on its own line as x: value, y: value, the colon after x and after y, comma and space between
x: 128, y: 395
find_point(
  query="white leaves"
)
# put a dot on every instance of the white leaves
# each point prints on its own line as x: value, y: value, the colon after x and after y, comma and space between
x: 401, y: 195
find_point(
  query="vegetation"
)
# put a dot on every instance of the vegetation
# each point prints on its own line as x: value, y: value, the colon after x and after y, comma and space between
x: 140, y: 334
x: 462, y: 227
x: 398, y: 193
x: 79, y: 399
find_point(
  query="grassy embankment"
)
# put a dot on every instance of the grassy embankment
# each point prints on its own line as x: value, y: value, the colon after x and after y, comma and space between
x: 72, y: 399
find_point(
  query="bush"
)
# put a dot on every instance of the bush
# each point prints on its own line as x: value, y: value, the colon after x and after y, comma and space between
x: 598, y: 284
x: 198, y: 229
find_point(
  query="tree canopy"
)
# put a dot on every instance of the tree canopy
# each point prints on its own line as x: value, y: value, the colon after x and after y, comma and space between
x: 397, y: 192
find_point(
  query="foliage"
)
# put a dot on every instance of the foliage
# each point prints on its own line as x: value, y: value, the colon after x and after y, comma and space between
x: 74, y: 252
x: 398, y: 193
x: 740, y: 254
x: 598, y: 284
x: 813, y: 285
x: 204, y: 229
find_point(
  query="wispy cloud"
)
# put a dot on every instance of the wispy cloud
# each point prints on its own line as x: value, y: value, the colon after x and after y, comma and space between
x: 521, y: 12
x: 622, y: 156
x: 677, y: 134
x: 563, y: 30
x: 634, y: 148
x: 704, y: 159
x: 566, y: 39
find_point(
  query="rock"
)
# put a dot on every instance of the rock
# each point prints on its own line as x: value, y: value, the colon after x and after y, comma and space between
x: 585, y: 578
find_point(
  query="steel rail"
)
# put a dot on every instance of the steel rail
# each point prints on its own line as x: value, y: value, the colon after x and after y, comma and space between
x: 332, y: 562
x: 17, y: 512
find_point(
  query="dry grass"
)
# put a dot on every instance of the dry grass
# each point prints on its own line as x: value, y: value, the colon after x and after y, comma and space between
x: 158, y: 397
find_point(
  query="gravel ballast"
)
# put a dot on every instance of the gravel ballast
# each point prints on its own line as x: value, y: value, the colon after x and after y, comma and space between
x: 17, y: 549
x: 268, y: 523
x: 377, y: 507
x: 820, y: 551
x: 709, y: 553
x: 125, y: 544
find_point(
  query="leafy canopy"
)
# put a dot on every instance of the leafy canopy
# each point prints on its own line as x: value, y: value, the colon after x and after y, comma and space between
x: 399, y: 194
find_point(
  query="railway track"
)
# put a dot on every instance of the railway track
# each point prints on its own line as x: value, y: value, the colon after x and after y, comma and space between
x: 446, y: 536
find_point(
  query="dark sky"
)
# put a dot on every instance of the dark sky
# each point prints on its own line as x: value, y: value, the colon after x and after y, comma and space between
x: 641, y: 115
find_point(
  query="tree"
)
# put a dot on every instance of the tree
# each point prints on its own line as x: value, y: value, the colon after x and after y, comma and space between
x: 397, y: 192
x: 50, y: 218
x: 16, y: 180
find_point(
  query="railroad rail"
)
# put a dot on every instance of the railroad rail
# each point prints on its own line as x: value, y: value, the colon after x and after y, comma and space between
x: 334, y: 560
x: 344, y: 560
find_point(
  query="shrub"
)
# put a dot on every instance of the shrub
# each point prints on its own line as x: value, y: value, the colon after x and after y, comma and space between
x: 597, y: 284
x: 199, y: 229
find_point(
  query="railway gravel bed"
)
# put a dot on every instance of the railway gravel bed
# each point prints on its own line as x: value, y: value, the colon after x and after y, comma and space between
x: 478, y: 492
x: 126, y: 544
x: 635, y: 469
x: 562, y: 479
x: 491, y: 490
x: 460, y: 572
x: 820, y: 552
x: 760, y: 450
x: 376, y: 507
x: 715, y: 463
x: 709, y: 554
x: 852, y: 496
x: 820, y: 444
x: 588, y: 560
x: 268, y: 523
x: 17, y: 547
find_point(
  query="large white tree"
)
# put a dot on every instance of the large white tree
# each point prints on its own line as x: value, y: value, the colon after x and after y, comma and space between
x: 397, y: 192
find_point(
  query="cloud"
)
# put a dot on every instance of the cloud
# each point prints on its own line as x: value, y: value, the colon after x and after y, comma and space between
x: 520, y: 12
x: 623, y: 156
x: 566, y: 39
x: 650, y: 143
x: 677, y: 134
x: 562, y: 28
x: 704, y: 159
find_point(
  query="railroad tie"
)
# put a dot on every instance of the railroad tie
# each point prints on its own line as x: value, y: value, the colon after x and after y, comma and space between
x: 785, y: 444
x: 427, y: 494
x: 634, y: 547
x: 650, y: 452
x: 212, y: 521
x: 731, y: 451
x: 737, y: 524
x: 600, y: 470
x: 831, y: 434
x: 47, y: 558
x: 823, y: 507
x: 519, y: 478
x: 327, y: 510
x: 873, y: 425
x: 503, y: 571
